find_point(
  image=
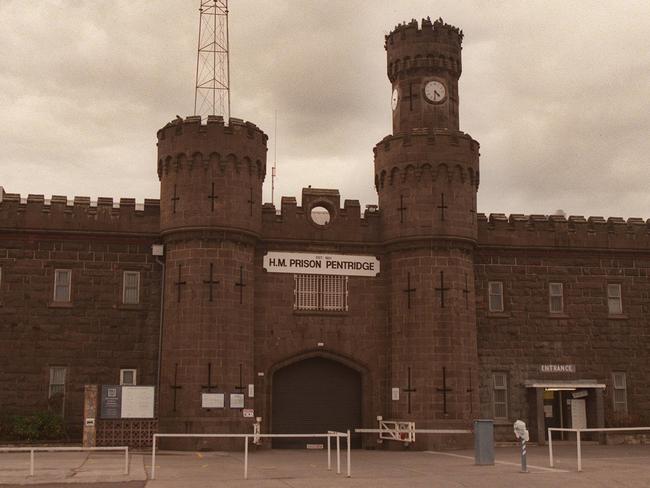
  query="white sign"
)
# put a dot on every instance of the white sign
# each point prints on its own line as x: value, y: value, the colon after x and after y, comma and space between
x: 251, y: 391
x: 557, y: 368
x: 395, y: 394
x: 212, y: 400
x: 236, y: 400
x: 249, y: 413
x: 328, y: 264
x: 137, y: 402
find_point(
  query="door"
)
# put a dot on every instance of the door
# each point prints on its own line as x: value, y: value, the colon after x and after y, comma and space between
x: 313, y: 396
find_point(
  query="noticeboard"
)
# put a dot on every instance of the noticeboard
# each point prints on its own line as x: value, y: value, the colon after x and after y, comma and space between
x: 127, y: 402
x: 111, y: 407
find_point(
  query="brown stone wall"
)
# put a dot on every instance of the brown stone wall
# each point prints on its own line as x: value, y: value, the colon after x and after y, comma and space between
x: 93, y: 336
x: 526, y: 335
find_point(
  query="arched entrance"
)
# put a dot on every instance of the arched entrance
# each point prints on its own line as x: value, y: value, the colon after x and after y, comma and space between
x: 314, y: 395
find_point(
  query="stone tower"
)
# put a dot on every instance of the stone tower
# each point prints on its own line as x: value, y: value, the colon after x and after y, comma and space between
x: 211, y: 178
x: 427, y: 175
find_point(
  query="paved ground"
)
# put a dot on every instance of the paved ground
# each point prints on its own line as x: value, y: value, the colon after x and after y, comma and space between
x: 603, y: 466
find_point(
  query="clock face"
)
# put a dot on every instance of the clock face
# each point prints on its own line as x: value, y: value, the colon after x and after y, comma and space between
x: 394, y: 99
x: 435, y: 92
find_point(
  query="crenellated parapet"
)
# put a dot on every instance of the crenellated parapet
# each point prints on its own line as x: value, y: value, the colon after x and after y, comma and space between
x: 344, y: 224
x: 557, y: 231
x: 211, y: 174
x: 429, y: 45
x: 58, y: 213
x: 426, y: 154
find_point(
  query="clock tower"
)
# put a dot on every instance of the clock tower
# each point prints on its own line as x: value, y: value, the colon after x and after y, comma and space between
x: 424, y: 66
x: 426, y: 175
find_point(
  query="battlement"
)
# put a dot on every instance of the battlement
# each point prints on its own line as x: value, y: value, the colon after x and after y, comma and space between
x: 426, y: 153
x: 433, y: 45
x: 189, y: 143
x: 58, y: 213
x: 294, y: 222
x: 558, y: 231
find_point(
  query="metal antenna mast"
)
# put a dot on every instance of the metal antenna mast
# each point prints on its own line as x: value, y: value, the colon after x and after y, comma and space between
x: 212, y: 92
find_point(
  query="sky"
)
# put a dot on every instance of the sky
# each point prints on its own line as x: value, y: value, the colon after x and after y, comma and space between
x: 556, y: 92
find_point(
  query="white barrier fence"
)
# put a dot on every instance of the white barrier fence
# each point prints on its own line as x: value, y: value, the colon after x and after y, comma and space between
x: 328, y: 435
x: 32, y: 450
x: 578, y: 432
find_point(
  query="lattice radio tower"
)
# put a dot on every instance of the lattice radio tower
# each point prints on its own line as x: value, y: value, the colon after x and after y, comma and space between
x: 212, y: 93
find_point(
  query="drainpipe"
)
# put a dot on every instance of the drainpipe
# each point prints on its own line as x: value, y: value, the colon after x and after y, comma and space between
x: 157, y: 250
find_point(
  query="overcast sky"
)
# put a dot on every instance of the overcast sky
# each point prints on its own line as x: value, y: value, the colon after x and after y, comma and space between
x: 556, y: 92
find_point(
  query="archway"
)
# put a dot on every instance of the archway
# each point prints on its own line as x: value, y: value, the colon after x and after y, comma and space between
x: 314, y: 395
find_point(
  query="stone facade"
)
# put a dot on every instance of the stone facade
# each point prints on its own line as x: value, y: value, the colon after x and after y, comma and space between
x: 423, y: 326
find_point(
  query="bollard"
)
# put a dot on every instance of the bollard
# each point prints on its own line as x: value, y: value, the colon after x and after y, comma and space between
x: 524, y: 465
x: 522, y: 434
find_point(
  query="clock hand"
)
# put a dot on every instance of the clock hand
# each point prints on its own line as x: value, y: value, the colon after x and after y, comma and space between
x: 436, y: 93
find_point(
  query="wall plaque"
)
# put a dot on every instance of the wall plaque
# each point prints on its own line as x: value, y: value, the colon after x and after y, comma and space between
x: 236, y: 400
x: 137, y: 402
x: 328, y: 264
x: 395, y: 394
x: 212, y: 400
x: 111, y: 402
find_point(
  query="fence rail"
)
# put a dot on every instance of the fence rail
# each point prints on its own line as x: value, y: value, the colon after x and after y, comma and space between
x: 32, y: 450
x: 578, y: 444
x: 328, y: 435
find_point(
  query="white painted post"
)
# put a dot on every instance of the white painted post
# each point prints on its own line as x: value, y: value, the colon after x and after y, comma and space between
x: 329, y: 453
x: 153, y: 458
x: 348, y: 453
x: 31, y: 462
x: 126, y: 460
x: 246, y: 457
x: 579, y: 451
x: 550, y: 448
x: 338, y: 454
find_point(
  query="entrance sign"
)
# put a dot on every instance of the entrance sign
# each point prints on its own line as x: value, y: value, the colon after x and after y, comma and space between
x: 557, y: 368
x: 212, y: 400
x: 137, y: 402
x: 326, y: 264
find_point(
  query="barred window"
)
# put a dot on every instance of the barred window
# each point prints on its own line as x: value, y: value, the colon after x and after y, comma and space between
x: 131, y: 288
x: 128, y: 377
x: 500, y: 395
x: 620, y: 391
x: 614, y: 301
x: 62, y: 279
x: 57, y: 381
x: 495, y: 290
x: 321, y: 292
x: 555, y: 297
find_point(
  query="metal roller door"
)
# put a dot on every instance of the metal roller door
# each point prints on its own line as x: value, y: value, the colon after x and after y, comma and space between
x: 313, y: 396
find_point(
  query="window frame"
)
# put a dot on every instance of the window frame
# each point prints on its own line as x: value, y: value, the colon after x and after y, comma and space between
x: 500, y: 295
x: 552, y: 295
x: 316, y: 293
x: 135, y: 376
x: 125, y: 288
x: 619, y: 406
x: 614, y: 299
x: 50, y: 392
x: 57, y: 273
x: 504, y: 388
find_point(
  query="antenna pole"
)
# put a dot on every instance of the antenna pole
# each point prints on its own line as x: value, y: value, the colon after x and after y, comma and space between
x: 212, y: 87
x: 275, y: 159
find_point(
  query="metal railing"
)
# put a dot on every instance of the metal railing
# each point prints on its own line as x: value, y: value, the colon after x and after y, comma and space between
x: 32, y: 450
x: 328, y: 435
x: 578, y: 444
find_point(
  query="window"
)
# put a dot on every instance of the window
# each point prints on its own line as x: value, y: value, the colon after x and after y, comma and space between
x: 131, y: 288
x: 62, y: 279
x: 128, y: 377
x: 555, y: 298
x: 614, y: 302
x: 321, y: 292
x: 500, y: 395
x: 620, y: 392
x: 495, y: 290
x: 57, y: 381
